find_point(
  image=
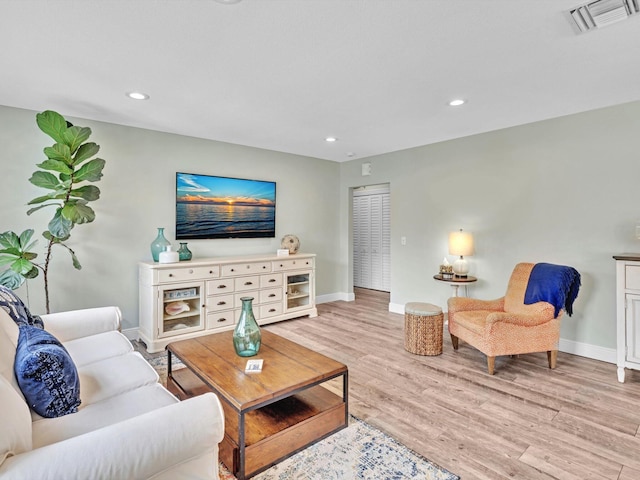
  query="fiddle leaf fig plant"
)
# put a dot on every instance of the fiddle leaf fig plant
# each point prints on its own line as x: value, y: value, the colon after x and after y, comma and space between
x: 69, y: 163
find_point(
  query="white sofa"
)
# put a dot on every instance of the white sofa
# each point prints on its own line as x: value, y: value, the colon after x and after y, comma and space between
x: 128, y: 426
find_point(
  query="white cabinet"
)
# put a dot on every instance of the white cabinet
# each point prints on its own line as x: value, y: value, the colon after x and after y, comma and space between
x: 628, y: 312
x: 188, y: 299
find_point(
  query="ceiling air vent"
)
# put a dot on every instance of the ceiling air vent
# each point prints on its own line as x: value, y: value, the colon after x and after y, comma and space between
x: 601, y: 13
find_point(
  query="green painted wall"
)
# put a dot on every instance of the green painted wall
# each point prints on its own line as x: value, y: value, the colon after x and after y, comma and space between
x: 138, y: 195
x: 562, y: 191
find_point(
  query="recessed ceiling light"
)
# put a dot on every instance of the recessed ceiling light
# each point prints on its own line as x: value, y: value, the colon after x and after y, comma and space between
x: 138, y: 95
x: 331, y: 139
x: 457, y: 102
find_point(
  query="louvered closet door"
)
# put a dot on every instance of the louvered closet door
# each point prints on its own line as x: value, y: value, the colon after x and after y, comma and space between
x: 371, y: 241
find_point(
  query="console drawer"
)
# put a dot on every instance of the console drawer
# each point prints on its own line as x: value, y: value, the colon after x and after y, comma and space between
x: 222, y: 319
x: 171, y: 275
x: 246, y: 283
x: 292, y: 264
x: 234, y: 269
x: 270, y: 295
x: 216, y: 303
x: 270, y: 310
x: 216, y: 287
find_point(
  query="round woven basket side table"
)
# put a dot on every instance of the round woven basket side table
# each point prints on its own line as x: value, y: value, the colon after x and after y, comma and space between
x: 423, y: 324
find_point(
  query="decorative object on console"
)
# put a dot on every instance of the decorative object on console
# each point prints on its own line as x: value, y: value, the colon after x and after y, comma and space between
x: 247, y: 336
x: 174, y: 308
x: 169, y: 256
x: 160, y: 244
x: 461, y: 243
x: 184, y: 252
x: 290, y: 242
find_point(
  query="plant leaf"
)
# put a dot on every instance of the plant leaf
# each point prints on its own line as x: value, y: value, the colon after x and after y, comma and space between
x: 22, y: 266
x: 10, y: 239
x: 78, y: 212
x: 45, y: 180
x: 33, y: 273
x: 76, y: 136
x: 47, y: 234
x: 53, y: 124
x: 60, y: 152
x: 59, y: 226
x: 25, y: 237
x: 88, y: 192
x: 35, y: 209
x: 85, y: 151
x: 90, y: 171
x: 6, y: 258
x: 56, y: 166
x: 11, y: 279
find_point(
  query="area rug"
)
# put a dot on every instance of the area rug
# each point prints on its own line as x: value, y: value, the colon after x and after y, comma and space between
x: 358, y: 452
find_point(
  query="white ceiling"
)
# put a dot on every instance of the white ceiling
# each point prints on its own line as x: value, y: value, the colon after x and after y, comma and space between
x: 284, y: 74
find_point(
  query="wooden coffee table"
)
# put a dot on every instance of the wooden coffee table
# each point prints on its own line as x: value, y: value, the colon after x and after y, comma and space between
x: 271, y: 415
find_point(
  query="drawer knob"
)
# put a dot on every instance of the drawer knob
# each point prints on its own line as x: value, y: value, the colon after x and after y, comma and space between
x: 171, y: 274
x: 221, y: 286
x: 272, y: 295
x: 220, y: 320
x: 222, y: 302
x: 281, y: 265
x: 190, y: 270
x: 248, y: 267
x: 271, y: 280
x: 210, y: 272
x: 272, y: 310
x: 264, y: 266
x: 248, y: 283
x: 233, y: 269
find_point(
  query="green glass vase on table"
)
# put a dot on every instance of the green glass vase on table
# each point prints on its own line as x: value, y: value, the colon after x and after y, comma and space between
x: 247, y: 336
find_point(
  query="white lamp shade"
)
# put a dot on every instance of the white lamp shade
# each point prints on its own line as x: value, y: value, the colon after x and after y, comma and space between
x: 460, y: 243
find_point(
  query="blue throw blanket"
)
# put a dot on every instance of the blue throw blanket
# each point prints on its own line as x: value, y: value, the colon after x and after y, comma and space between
x: 555, y: 284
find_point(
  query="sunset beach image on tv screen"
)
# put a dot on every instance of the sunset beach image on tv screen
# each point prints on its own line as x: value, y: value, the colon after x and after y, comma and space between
x: 221, y: 207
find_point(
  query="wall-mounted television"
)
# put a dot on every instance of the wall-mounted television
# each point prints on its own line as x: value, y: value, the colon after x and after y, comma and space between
x: 222, y: 207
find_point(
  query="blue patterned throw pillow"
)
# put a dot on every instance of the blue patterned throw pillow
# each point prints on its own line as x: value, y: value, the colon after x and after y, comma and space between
x: 17, y: 310
x: 46, y: 373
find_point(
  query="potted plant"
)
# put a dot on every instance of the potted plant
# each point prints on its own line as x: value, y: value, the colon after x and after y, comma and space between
x: 65, y: 173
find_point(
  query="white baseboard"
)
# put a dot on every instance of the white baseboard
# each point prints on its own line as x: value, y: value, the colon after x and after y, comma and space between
x: 396, y: 308
x: 334, y: 297
x: 587, y: 350
x: 131, y: 333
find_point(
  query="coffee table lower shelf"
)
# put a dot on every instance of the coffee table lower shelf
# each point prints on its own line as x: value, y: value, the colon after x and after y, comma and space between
x: 273, y: 432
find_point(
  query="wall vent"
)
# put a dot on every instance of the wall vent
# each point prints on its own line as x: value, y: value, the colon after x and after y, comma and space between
x: 601, y: 13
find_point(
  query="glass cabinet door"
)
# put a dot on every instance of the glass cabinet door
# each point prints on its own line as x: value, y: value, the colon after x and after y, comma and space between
x: 298, y: 290
x: 182, y: 309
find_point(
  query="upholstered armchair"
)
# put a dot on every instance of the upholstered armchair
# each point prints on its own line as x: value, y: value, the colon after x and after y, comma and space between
x: 520, y: 322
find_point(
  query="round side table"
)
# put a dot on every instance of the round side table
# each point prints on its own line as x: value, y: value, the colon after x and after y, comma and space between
x: 456, y: 282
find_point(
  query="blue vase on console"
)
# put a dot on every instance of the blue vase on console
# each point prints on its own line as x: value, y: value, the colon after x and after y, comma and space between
x: 160, y: 244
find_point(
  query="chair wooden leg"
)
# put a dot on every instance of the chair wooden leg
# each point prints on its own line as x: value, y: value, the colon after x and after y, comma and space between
x: 454, y: 341
x: 491, y: 363
x: 552, y: 356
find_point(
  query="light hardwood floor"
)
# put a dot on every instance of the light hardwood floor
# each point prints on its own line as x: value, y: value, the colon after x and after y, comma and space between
x: 525, y: 422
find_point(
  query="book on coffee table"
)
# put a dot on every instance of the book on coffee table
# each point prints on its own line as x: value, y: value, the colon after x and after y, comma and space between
x: 253, y: 366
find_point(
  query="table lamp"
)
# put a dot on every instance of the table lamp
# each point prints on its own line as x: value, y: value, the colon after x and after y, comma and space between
x: 461, y: 243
